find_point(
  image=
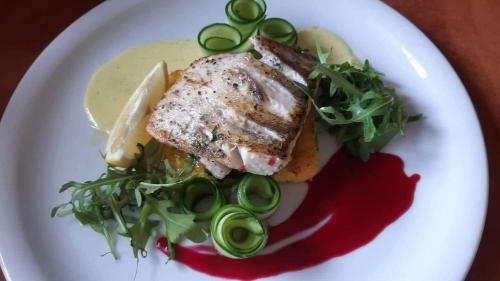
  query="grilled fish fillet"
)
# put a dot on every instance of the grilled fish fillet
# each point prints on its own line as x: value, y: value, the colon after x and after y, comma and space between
x: 293, y: 63
x: 233, y: 112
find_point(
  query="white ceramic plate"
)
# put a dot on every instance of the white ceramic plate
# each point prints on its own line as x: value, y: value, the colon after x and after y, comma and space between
x: 46, y: 141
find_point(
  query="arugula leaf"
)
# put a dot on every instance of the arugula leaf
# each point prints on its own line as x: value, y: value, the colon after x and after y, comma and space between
x: 57, y: 209
x: 197, y: 233
x: 110, y: 203
x: 149, y: 188
x: 323, y: 57
x: 118, y: 216
x: 141, y: 231
x: 171, y: 250
x: 175, y: 224
x: 354, y: 104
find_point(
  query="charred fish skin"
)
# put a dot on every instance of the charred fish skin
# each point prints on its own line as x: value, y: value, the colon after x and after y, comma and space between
x: 234, y: 112
x: 293, y: 63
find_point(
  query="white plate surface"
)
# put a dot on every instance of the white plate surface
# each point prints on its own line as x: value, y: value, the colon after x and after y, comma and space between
x: 47, y: 141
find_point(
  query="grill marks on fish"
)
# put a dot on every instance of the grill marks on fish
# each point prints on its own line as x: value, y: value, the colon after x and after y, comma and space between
x: 234, y: 112
x: 293, y: 63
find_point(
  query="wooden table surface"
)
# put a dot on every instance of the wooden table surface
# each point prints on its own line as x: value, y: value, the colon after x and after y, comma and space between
x: 467, y: 32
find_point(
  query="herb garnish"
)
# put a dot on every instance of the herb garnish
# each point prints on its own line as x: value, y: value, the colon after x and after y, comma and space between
x: 356, y: 105
x: 123, y: 201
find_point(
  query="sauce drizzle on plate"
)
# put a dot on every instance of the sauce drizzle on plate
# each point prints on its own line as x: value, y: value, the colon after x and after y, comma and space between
x: 349, y: 202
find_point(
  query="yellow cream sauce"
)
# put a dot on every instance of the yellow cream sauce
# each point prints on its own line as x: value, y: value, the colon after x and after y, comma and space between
x: 114, y: 82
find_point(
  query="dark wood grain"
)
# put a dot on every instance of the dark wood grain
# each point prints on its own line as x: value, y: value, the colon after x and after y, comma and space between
x: 467, y: 32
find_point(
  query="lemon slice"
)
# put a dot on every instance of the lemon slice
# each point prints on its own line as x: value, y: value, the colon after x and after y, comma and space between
x: 129, y: 128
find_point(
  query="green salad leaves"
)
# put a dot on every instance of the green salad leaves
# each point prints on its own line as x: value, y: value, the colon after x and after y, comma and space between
x: 132, y: 202
x: 355, y: 105
x: 152, y: 199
